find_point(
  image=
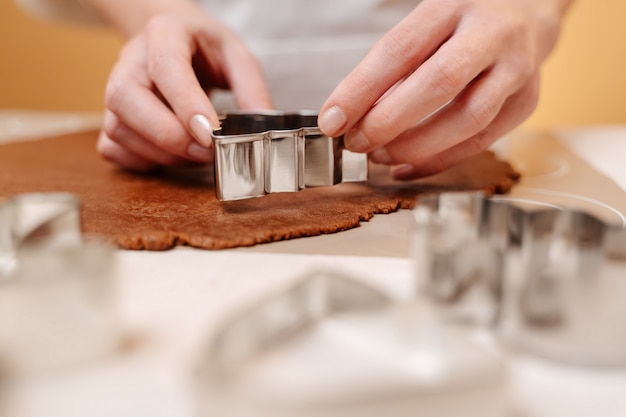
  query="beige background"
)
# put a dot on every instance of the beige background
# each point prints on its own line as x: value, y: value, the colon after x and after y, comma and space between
x: 53, y: 66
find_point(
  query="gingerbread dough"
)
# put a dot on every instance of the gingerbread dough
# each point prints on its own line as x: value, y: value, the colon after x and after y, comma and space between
x: 160, y: 211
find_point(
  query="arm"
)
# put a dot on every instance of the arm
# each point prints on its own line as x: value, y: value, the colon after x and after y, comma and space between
x: 445, y: 83
x: 131, y: 16
x: 75, y: 11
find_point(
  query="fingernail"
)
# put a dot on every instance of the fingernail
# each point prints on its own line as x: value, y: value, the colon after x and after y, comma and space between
x: 381, y: 156
x: 199, y: 152
x: 332, y: 121
x: 201, y: 129
x: 356, y: 141
x: 403, y: 171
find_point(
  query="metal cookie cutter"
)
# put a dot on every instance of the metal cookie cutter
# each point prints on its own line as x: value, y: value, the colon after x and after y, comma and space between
x: 262, y: 153
x: 330, y: 345
x: 40, y: 221
x: 550, y: 279
x: 56, y: 289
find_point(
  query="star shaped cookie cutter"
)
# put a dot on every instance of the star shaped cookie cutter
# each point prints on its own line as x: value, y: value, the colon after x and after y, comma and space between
x: 262, y: 153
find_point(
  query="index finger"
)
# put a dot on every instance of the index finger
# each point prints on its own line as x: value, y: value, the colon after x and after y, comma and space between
x: 245, y: 78
x: 391, y: 59
x: 171, y: 54
x: 171, y: 47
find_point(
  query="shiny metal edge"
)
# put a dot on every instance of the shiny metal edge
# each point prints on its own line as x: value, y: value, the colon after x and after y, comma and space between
x: 242, y: 171
x: 549, y: 279
x: 37, y: 220
x: 317, y: 294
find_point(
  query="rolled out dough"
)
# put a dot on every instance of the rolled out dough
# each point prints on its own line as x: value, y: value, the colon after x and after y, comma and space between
x: 178, y: 207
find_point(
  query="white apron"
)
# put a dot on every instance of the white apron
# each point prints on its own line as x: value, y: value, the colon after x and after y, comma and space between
x: 307, y: 46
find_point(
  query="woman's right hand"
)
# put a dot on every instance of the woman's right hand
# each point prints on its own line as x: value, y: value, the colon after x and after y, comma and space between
x: 157, y: 109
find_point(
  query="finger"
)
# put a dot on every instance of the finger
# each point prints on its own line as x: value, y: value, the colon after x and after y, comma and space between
x: 141, y: 110
x: 468, y: 114
x: 171, y: 70
x: 438, y: 81
x: 115, y: 153
x: 395, y: 56
x: 128, y: 139
x: 171, y: 47
x: 515, y: 110
x: 246, y: 79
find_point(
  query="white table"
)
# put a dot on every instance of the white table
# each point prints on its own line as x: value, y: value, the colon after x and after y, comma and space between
x: 169, y: 301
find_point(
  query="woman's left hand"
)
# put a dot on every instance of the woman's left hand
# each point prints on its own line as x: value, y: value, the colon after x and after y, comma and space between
x: 445, y: 83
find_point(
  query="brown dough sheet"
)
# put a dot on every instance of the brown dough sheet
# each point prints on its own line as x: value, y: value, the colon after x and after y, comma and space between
x: 178, y: 207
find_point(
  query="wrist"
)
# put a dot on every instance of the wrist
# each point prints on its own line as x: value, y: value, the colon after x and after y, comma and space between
x: 550, y: 15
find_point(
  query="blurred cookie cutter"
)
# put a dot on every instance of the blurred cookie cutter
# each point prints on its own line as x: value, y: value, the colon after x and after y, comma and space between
x: 549, y: 279
x: 330, y: 345
x: 37, y: 220
x: 262, y: 327
x: 262, y: 153
x: 316, y: 295
x: 59, y: 283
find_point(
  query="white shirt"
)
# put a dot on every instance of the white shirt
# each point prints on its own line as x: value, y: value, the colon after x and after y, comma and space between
x: 305, y: 46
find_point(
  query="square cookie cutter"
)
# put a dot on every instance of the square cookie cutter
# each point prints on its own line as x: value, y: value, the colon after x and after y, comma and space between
x: 262, y: 153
